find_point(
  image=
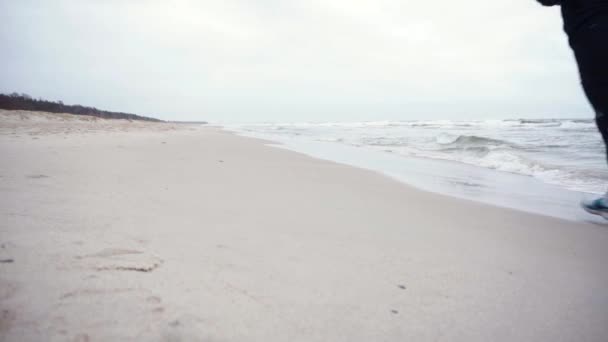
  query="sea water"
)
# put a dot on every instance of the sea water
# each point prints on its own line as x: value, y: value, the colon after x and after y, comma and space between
x: 543, y: 166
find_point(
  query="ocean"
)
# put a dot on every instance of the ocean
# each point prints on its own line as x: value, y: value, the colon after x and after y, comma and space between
x: 479, y: 160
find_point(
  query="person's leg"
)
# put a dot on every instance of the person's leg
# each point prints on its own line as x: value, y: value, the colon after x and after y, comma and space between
x: 590, y: 47
x: 597, y: 93
x: 598, y: 96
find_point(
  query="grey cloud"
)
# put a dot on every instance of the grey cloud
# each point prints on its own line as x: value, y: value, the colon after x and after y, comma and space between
x: 293, y: 60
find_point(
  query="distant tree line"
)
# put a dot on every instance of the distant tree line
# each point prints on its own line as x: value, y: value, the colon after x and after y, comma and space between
x: 17, y: 101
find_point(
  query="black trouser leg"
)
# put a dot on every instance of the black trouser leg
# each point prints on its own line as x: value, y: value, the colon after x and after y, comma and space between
x: 590, y: 47
x: 601, y: 120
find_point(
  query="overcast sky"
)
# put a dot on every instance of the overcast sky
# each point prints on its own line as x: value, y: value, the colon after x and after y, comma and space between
x: 287, y: 60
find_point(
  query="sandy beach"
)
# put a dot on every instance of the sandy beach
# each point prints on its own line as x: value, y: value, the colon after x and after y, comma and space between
x: 114, y: 230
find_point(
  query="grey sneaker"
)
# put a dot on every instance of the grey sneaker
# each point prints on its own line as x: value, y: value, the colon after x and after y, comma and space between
x: 597, y: 206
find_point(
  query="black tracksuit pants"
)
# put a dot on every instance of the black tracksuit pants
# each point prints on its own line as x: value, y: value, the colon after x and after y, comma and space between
x: 590, y: 45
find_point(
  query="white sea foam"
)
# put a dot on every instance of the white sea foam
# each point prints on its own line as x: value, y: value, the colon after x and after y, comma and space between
x: 567, y: 153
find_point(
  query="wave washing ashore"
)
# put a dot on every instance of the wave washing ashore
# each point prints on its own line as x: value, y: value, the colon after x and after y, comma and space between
x: 563, y: 158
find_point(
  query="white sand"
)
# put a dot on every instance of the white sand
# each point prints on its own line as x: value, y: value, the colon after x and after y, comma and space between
x: 116, y: 230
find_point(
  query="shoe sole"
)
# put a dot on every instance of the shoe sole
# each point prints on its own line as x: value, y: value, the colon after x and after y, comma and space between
x: 596, y: 212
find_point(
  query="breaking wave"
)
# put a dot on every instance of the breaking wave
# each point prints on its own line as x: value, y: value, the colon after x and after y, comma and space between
x: 565, y: 152
x: 469, y: 140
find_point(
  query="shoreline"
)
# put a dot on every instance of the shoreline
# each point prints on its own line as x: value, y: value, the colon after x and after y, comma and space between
x: 197, y: 233
x: 446, y: 177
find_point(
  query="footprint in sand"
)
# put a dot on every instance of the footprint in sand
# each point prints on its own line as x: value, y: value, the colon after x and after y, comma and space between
x: 110, y: 252
x: 7, y: 289
x: 39, y: 176
x: 5, y: 253
x: 120, y: 259
x: 82, y: 338
x: 153, y: 300
x: 156, y: 302
x: 143, y: 305
x: 7, y: 318
x: 185, y: 328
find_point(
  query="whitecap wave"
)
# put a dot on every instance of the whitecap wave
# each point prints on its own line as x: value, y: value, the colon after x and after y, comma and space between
x: 469, y: 140
x: 565, y: 152
x: 577, y: 124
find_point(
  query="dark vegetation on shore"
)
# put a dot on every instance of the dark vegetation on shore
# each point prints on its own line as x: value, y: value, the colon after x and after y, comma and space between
x: 16, y: 101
